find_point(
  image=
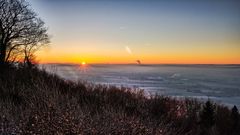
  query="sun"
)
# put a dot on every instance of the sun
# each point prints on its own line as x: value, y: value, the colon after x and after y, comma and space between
x: 83, y: 63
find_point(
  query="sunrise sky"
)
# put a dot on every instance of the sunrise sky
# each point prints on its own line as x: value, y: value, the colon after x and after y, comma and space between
x: 153, y: 31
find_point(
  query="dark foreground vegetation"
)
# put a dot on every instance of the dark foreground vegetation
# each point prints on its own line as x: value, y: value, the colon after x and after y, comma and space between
x: 35, y: 102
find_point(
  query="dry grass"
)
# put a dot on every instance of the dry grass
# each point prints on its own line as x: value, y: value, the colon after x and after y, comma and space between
x: 35, y: 102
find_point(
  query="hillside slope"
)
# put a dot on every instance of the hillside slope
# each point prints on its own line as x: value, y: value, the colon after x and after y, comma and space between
x: 35, y: 102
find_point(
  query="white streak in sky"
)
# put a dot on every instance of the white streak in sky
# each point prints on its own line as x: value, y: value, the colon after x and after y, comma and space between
x: 128, y: 50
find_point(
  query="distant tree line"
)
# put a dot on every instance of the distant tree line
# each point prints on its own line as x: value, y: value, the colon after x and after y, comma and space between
x: 22, y: 32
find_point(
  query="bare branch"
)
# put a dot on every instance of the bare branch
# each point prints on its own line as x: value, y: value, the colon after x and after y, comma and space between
x: 20, y: 30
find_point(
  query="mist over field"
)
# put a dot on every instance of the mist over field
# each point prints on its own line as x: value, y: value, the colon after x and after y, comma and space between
x: 220, y: 83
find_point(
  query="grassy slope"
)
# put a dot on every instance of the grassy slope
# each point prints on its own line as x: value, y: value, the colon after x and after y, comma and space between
x: 33, y: 101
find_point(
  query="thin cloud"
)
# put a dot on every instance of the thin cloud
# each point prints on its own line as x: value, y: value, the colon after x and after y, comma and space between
x: 128, y: 49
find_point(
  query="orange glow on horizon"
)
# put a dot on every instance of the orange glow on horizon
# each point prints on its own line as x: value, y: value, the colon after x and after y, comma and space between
x: 179, y: 55
x: 146, y: 60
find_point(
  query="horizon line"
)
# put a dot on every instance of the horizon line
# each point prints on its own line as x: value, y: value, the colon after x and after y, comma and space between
x: 71, y: 63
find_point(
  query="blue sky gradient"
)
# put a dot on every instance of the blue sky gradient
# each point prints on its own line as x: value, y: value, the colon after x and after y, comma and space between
x: 149, y: 28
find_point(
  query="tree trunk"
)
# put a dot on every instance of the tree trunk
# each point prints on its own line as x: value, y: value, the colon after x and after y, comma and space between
x: 27, y: 61
x: 2, y: 54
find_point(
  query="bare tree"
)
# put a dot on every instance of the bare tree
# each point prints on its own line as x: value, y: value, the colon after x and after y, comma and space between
x: 22, y: 33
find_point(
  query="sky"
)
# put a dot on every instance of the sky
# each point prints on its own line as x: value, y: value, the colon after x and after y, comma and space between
x: 152, y: 31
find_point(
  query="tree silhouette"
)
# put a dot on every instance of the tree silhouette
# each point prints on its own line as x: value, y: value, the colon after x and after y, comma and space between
x: 235, y: 120
x: 207, y: 117
x: 21, y: 32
